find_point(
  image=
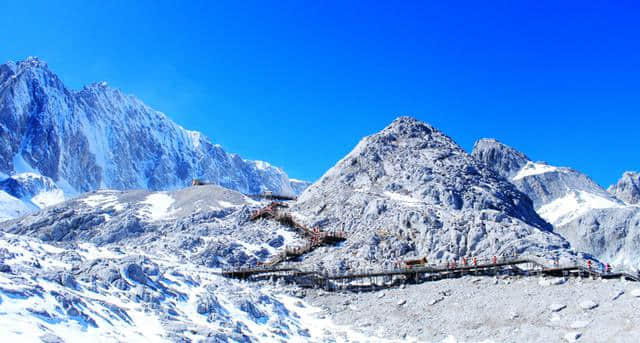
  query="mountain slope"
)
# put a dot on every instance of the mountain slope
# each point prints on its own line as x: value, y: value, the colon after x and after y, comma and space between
x: 592, y: 219
x: 559, y: 194
x: 100, y: 138
x: 409, y: 190
x: 628, y: 188
x: 610, y: 234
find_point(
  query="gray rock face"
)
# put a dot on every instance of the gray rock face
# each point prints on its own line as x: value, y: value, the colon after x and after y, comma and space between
x: 502, y: 158
x: 628, y: 188
x: 612, y: 235
x: 27, y: 185
x: 99, y: 137
x: 410, y: 190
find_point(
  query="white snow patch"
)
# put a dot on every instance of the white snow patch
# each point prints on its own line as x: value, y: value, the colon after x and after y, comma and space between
x: 262, y: 165
x: 195, y: 137
x: 103, y: 201
x: 574, y: 205
x: 580, y: 324
x: 50, y: 198
x: 49, y: 193
x: 12, y: 207
x: 90, y: 251
x: 402, y: 198
x: 535, y: 168
x: 158, y: 206
x: 225, y: 203
x: 572, y: 336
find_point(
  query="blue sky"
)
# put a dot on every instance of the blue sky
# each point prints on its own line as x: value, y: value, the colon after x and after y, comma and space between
x: 298, y: 83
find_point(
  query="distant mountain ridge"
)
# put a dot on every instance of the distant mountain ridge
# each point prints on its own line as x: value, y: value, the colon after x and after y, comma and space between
x: 603, y: 223
x: 559, y: 194
x: 98, y: 137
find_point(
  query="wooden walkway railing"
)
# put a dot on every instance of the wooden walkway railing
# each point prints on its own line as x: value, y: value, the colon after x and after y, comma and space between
x: 314, y: 237
x: 526, y: 265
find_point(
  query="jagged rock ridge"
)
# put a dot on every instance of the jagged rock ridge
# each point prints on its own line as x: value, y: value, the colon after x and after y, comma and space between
x: 503, y: 159
x: 98, y: 137
x: 628, y: 188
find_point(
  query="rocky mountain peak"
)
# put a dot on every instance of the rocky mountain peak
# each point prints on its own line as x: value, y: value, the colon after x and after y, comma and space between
x: 33, y: 61
x: 410, y: 189
x: 34, y: 68
x: 409, y: 126
x: 414, y: 158
x: 500, y: 157
x: 628, y: 188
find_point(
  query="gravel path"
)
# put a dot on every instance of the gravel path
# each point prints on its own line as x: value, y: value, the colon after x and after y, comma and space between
x: 487, y: 309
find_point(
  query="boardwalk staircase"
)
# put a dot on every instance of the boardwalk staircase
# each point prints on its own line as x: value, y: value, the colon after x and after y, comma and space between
x: 314, y: 237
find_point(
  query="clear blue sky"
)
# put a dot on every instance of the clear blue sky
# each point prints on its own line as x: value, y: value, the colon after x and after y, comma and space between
x: 298, y: 83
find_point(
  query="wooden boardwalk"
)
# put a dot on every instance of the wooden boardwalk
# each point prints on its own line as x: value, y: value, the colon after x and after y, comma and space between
x: 413, y: 270
x: 314, y: 237
x: 525, y: 266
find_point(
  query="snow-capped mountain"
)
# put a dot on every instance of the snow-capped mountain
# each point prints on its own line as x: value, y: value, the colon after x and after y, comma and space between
x: 594, y: 220
x: 299, y: 186
x: 410, y: 190
x: 25, y: 192
x: 628, y: 188
x: 559, y: 194
x: 98, y: 138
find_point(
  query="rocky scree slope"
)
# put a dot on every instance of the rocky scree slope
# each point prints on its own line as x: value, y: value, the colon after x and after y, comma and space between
x: 100, y: 138
x: 410, y: 190
x: 592, y: 219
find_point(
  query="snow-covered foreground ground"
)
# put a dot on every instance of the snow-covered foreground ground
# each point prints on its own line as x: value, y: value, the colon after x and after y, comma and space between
x: 58, y: 295
x: 487, y: 309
